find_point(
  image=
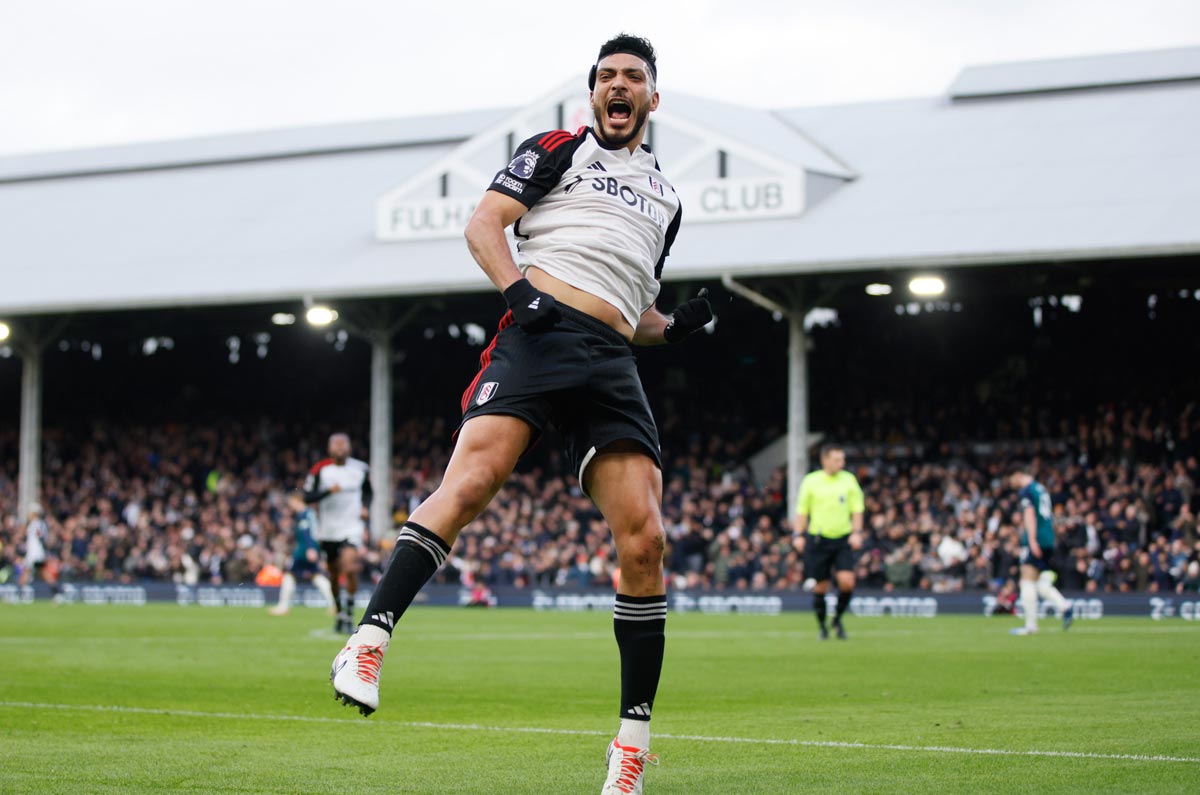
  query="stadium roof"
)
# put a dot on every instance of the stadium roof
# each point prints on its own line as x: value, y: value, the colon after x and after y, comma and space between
x: 1083, y: 158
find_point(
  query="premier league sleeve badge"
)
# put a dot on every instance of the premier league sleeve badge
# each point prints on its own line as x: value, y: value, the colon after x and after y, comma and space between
x: 523, y: 164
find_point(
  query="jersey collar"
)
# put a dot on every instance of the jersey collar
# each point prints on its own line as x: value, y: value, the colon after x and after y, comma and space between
x: 642, y: 149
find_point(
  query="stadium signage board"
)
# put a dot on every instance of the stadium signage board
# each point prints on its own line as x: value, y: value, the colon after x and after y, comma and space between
x: 762, y: 603
x: 1085, y: 608
x: 742, y: 199
x: 1187, y: 609
x: 704, y: 201
x: 437, y: 201
x: 423, y: 219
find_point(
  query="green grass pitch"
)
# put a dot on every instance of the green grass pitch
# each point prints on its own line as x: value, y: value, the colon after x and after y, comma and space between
x: 169, y: 699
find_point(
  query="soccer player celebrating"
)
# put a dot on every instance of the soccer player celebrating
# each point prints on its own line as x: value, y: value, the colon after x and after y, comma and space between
x: 830, y: 509
x: 1037, y: 549
x: 595, y: 219
x: 306, y: 558
x: 341, y: 489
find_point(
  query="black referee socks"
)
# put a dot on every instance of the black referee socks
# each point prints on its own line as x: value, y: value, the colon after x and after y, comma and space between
x: 417, y: 555
x: 842, y: 603
x: 640, y: 623
x: 819, y: 606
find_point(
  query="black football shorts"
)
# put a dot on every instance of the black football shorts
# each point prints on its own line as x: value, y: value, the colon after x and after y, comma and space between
x: 1042, y: 563
x: 580, y: 375
x: 824, y: 555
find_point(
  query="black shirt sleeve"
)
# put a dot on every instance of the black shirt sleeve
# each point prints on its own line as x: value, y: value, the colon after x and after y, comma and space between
x: 312, y: 489
x: 672, y: 230
x: 536, y: 167
x: 367, y: 491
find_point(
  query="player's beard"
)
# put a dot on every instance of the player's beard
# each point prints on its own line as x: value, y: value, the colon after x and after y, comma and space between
x: 617, y: 140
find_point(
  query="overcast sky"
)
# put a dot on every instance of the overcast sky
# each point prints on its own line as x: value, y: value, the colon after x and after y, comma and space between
x: 77, y: 73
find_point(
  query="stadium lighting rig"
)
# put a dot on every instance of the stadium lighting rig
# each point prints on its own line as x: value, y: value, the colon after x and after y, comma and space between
x: 283, y: 318
x: 5, y: 331
x: 878, y: 288
x: 927, y: 286
x: 318, y: 315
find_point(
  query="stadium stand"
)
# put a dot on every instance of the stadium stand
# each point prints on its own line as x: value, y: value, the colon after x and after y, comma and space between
x: 203, y: 503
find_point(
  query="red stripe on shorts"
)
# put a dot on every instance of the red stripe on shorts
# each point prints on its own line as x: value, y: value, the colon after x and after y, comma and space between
x: 485, y: 359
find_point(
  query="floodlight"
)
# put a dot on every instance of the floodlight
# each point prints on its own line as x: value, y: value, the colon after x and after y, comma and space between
x: 927, y: 285
x: 320, y: 315
x: 879, y: 289
x: 4, y: 331
x: 283, y: 318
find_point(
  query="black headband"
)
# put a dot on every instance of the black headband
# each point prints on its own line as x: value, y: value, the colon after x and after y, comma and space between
x: 596, y: 67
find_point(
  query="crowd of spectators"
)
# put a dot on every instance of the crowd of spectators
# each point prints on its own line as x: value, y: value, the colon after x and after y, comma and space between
x: 205, y: 504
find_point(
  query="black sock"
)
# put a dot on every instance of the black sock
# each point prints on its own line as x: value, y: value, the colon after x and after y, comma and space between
x: 343, y: 605
x: 639, y: 622
x: 417, y: 555
x: 819, y: 606
x: 842, y: 603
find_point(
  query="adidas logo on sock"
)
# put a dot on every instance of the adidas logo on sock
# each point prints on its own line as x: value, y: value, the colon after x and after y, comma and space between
x: 641, y: 710
x: 385, y: 618
x: 535, y: 303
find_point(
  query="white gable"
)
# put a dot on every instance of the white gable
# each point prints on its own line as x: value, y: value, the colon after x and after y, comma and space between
x: 718, y: 177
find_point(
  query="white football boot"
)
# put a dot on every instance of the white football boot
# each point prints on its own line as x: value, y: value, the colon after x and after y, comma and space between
x: 355, y: 675
x: 625, y: 767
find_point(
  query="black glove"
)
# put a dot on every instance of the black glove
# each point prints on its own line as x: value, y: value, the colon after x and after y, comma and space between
x: 689, y: 317
x: 532, y: 309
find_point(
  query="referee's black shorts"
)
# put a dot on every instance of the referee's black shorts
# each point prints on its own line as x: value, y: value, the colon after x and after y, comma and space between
x: 579, y: 375
x: 825, y: 555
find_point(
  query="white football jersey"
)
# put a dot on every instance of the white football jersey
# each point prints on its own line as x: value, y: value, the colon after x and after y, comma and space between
x: 35, y: 537
x: 602, y: 220
x: 339, y: 515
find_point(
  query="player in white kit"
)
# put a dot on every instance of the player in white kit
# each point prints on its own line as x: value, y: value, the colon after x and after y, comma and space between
x: 340, y: 486
x: 36, y: 535
x: 594, y: 218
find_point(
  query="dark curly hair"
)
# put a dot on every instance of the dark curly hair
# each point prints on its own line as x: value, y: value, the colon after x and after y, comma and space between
x: 634, y: 45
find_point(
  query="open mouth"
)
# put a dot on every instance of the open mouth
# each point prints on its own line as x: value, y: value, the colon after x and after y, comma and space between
x: 619, y: 110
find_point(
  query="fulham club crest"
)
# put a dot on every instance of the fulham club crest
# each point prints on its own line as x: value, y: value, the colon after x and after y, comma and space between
x: 486, y: 393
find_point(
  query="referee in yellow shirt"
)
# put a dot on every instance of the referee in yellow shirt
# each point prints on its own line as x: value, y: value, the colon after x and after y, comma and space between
x: 830, y: 510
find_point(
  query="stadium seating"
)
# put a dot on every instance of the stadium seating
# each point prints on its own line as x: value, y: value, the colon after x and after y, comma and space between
x: 204, y: 504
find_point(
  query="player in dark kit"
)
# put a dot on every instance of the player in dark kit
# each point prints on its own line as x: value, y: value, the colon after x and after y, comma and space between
x: 1036, y: 522
x: 594, y: 219
x: 305, y: 564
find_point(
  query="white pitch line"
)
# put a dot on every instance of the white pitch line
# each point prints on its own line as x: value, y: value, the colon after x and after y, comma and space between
x: 936, y: 749
x: 477, y: 637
